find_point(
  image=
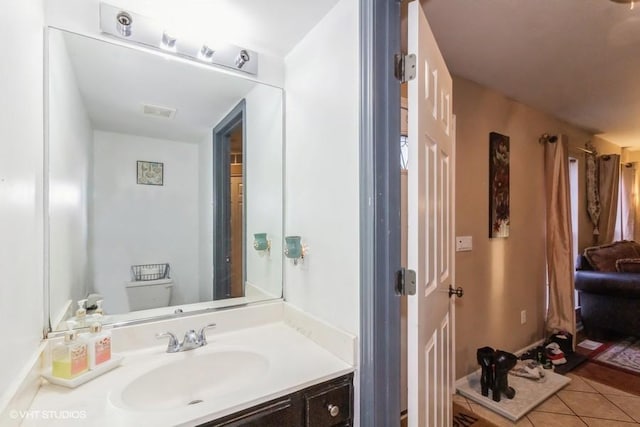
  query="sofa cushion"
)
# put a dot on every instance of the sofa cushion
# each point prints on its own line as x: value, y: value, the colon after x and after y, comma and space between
x: 604, y: 257
x: 628, y: 265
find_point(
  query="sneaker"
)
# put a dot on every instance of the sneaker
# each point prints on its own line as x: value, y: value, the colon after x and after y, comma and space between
x: 554, y: 354
x: 528, y: 369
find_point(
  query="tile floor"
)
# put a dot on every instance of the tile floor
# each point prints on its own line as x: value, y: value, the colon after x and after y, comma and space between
x: 581, y: 403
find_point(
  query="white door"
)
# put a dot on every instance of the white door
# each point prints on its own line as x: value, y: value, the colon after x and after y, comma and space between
x: 430, y: 229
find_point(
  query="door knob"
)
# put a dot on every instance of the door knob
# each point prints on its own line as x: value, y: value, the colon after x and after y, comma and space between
x: 459, y: 292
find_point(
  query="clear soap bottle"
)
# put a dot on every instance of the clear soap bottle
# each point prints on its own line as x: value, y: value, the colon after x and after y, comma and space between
x: 99, y: 345
x: 70, y: 358
x: 81, y: 314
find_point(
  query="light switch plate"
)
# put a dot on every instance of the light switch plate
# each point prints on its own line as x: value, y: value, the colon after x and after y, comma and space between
x: 464, y: 243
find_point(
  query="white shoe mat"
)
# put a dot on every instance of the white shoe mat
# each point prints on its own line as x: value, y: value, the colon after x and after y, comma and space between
x: 529, y: 393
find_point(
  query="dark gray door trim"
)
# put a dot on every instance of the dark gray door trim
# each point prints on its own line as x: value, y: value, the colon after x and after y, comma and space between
x: 221, y: 198
x: 380, y: 214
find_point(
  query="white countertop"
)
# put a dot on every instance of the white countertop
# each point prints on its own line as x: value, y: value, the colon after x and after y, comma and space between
x: 295, y: 362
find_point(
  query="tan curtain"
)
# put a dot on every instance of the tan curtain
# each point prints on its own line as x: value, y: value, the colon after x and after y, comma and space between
x: 608, y: 182
x: 560, y: 313
x: 626, y: 218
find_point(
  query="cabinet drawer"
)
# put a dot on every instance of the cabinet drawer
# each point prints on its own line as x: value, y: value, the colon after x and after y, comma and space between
x: 329, y: 407
x: 280, y: 413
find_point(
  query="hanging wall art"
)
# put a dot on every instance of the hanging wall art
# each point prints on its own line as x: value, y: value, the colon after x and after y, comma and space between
x: 150, y: 173
x: 499, y: 217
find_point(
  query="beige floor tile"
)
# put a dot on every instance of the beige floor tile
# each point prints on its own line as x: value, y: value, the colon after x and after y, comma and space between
x: 578, y: 384
x: 498, y: 420
x: 545, y: 419
x: 596, y: 422
x: 592, y: 405
x: 462, y: 401
x: 629, y: 404
x: 554, y: 405
x: 607, y: 390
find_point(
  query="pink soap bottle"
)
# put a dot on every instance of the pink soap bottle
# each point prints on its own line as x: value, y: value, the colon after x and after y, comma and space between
x: 98, y: 344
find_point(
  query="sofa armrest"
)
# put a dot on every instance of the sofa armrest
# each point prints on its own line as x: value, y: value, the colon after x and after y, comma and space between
x: 626, y: 285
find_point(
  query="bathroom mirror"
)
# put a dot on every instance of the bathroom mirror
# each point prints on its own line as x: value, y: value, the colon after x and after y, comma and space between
x: 158, y: 168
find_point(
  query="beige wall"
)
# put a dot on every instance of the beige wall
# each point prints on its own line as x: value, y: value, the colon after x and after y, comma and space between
x: 501, y: 277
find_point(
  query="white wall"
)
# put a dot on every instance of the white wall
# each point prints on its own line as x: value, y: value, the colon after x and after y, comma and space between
x: 263, y: 188
x: 138, y: 224
x: 263, y: 193
x: 70, y: 157
x: 322, y: 161
x: 21, y: 141
x: 205, y: 218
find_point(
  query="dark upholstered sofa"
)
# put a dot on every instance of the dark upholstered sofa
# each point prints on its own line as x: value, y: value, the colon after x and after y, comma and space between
x: 610, y: 300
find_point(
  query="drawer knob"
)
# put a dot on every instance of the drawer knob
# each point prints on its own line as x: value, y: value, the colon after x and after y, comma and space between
x: 334, y: 410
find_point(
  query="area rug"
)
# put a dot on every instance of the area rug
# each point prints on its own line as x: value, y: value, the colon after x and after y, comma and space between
x: 529, y: 393
x: 623, y: 355
x: 464, y: 418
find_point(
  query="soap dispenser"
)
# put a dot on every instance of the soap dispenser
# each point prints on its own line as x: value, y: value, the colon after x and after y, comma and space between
x: 81, y: 313
x: 99, y: 311
x: 99, y: 345
x: 69, y: 359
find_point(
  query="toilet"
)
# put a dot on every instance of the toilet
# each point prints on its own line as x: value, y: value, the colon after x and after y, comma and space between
x: 145, y: 294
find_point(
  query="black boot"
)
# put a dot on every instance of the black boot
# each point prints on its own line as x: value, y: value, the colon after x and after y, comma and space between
x: 504, y: 362
x: 485, y: 356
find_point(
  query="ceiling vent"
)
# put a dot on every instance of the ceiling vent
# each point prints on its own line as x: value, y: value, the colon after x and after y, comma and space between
x: 158, y: 111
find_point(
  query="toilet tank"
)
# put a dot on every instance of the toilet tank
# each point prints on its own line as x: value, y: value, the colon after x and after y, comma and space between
x: 145, y: 294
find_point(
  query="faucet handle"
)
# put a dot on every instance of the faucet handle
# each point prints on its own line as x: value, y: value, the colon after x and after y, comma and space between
x: 173, y: 341
x: 203, y: 335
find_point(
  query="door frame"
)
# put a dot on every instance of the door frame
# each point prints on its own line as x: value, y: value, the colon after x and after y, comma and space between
x: 379, y: 214
x: 221, y: 197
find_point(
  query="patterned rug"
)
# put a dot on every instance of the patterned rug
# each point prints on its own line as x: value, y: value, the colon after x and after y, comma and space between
x: 464, y: 418
x: 624, y: 355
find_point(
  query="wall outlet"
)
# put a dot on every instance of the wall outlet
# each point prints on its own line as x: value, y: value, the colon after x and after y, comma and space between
x: 523, y: 317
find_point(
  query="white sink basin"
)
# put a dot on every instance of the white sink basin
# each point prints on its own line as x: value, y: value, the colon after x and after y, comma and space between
x: 193, y: 379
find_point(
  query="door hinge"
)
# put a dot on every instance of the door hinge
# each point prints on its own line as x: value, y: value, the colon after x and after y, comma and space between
x: 406, y: 282
x: 405, y: 66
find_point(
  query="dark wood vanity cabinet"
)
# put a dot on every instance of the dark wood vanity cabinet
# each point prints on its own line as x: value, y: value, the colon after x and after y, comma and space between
x: 329, y: 404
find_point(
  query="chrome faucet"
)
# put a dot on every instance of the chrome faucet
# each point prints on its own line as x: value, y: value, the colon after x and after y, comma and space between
x: 191, y: 340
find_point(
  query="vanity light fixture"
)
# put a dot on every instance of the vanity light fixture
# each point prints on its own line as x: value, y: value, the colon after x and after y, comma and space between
x: 168, y: 42
x: 124, y: 23
x: 242, y: 58
x: 206, y: 53
x: 261, y: 243
x: 120, y: 23
x: 294, y: 249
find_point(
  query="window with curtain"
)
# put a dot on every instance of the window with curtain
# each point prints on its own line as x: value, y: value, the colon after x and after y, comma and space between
x: 625, y: 218
x: 573, y: 191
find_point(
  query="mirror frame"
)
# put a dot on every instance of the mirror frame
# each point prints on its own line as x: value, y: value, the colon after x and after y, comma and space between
x: 179, y: 312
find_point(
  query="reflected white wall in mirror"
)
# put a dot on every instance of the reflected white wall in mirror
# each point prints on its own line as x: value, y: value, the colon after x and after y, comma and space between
x: 101, y: 221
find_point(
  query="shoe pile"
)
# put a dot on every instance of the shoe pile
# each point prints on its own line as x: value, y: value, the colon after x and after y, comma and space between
x: 553, y: 352
x: 539, y: 355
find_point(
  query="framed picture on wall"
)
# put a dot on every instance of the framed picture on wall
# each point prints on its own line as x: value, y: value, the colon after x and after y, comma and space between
x: 150, y: 173
x: 499, y: 213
